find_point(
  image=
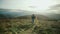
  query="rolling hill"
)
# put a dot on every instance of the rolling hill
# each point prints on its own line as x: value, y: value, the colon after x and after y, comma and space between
x: 21, y: 23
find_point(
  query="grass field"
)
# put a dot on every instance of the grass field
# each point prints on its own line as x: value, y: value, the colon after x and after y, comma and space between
x: 25, y: 26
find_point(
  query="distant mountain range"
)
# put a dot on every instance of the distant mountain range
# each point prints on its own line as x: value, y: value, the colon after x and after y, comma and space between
x: 12, y: 13
x: 54, y: 16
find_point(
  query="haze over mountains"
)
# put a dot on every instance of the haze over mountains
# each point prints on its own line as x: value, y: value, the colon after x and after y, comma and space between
x: 11, y: 13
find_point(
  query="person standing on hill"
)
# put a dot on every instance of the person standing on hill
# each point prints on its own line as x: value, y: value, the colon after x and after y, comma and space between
x: 33, y: 18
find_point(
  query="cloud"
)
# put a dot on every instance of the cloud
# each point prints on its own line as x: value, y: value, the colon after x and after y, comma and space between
x: 58, y: 1
x: 55, y: 9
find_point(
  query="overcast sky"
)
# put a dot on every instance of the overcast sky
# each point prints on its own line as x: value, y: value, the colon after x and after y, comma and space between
x: 29, y: 5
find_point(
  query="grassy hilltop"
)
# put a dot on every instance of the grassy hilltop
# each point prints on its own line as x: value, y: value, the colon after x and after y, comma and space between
x: 23, y: 25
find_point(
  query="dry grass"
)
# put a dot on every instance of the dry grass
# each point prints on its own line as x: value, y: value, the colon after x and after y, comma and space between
x: 25, y: 26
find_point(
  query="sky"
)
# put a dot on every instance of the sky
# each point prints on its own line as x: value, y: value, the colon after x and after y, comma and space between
x: 28, y: 5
